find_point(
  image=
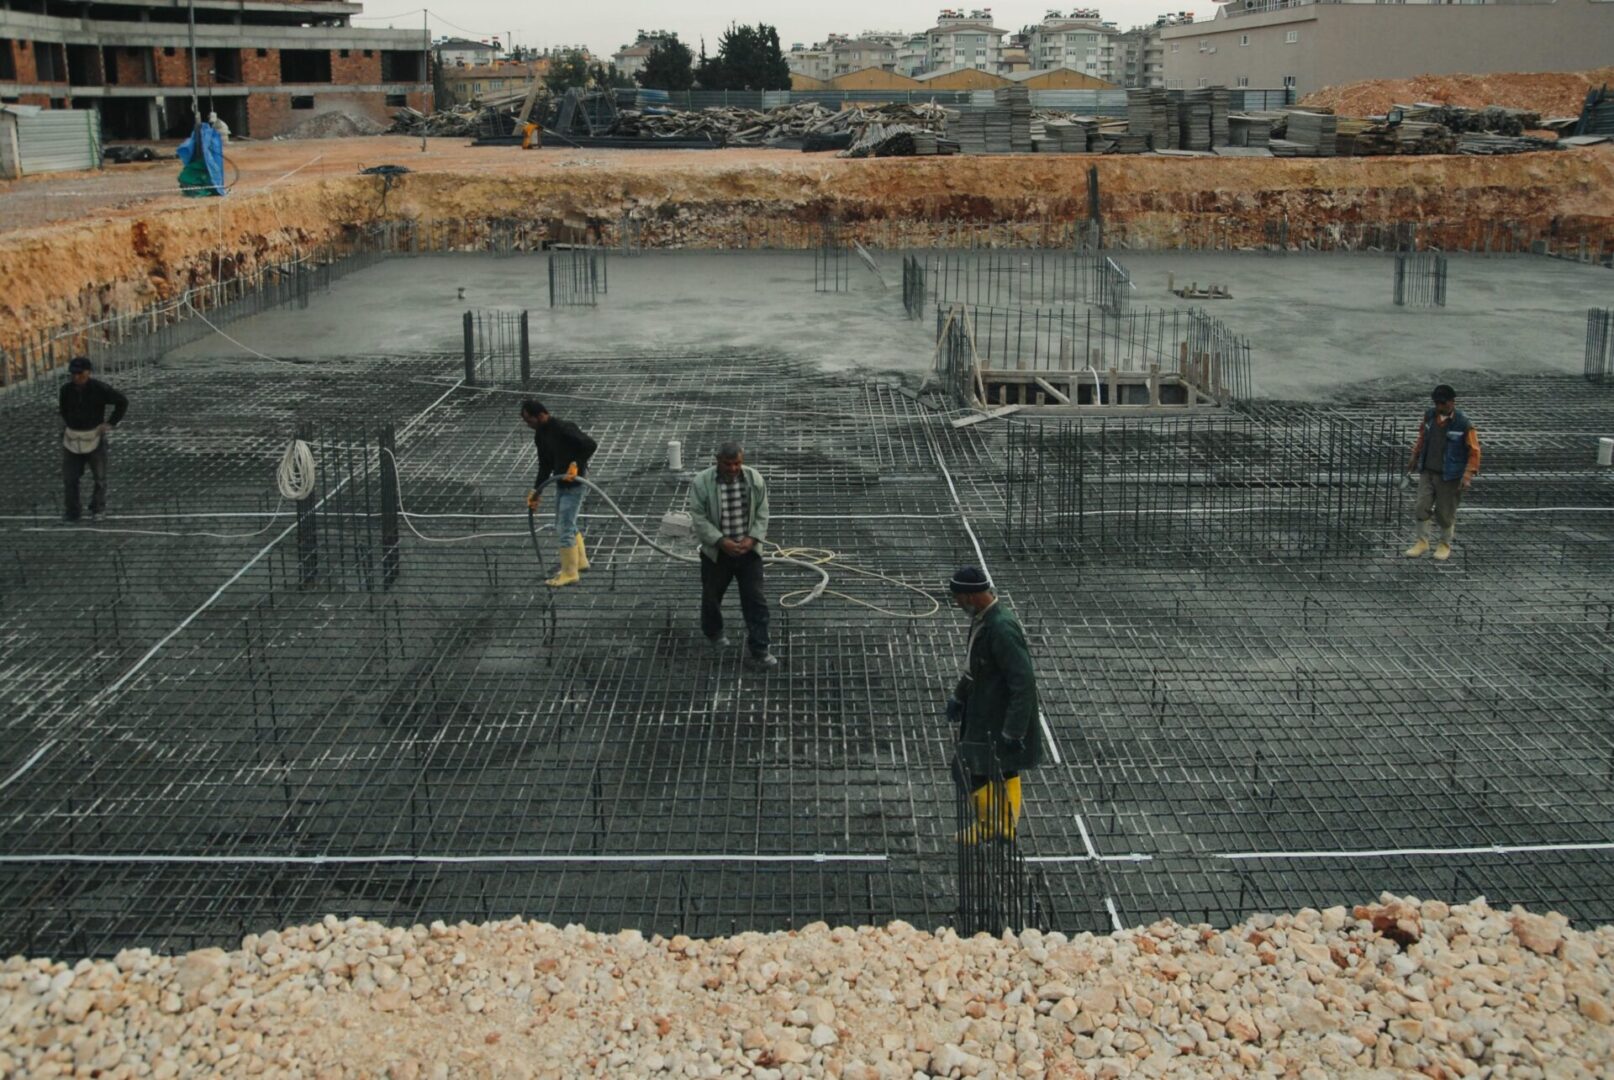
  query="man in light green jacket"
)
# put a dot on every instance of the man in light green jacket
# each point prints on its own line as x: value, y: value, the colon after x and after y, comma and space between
x: 729, y: 506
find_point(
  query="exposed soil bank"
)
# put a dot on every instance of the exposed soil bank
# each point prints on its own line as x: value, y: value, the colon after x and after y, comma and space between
x: 70, y: 274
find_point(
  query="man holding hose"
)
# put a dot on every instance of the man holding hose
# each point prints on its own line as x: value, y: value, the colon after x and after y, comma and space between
x: 563, y: 452
x: 728, y: 504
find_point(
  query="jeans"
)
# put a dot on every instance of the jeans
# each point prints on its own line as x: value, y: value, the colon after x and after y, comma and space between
x: 715, y: 578
x: 568, y: 501
x: 73, y: 469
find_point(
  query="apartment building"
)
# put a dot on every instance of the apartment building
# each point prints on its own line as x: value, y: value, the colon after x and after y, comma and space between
x: 961, y: 40
x: 631, y: 59
x: 1080, y: 40
x: 816, y: 62
x: 858, y: 54
x: 1308, y: 45
x: 912, y: 54
x: 1140, y: 55
x: 463, y: 52
x: 263, y: 65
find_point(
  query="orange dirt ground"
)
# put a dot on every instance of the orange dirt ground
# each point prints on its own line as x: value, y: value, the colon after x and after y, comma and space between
x: 1560, y: 93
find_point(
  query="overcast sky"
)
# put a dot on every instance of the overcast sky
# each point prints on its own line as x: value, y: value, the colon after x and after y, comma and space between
x: 606, y: 25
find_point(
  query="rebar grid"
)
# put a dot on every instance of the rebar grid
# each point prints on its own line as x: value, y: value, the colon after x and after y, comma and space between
x: 1225, y: 733
x: 1599, y: 343
x: 1028, y: 278
x: 1420, y: 279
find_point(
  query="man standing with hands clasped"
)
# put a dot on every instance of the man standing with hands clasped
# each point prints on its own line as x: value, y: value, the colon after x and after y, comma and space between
x: 563, y: 452
x: 728, y: 504
x: 1445, y: 458
x: 83, y: 403
x: 995, y: 708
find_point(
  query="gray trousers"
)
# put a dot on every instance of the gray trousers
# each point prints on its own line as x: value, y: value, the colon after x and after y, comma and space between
x: 1438, y: 497
x: 73, y: 466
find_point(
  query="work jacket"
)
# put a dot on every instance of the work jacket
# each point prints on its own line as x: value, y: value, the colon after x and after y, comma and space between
x: 83, y: 408
x: 999, y: 692
x: 560, y: 443
x: 1459, y: 444
x: 706, y: 508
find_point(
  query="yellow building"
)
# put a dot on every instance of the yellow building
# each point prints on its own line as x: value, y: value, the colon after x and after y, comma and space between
x: 961, y: 79
x: 1061, y: 78
x: 872, y: 78
x: 807, y: 82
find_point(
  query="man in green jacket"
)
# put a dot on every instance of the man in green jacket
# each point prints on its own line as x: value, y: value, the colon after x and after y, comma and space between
x: 729, y: 506
x: 995, y: 707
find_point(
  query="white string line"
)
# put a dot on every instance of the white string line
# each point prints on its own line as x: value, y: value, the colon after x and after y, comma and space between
x: 450, y: 860
x: 1404, y: 853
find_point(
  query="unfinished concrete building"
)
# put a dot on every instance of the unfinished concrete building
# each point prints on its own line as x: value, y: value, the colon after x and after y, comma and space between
x: 262, y: 67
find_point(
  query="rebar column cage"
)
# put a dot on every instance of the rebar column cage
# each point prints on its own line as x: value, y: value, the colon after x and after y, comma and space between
x: 1599, y: 343
x: 1276, y: 234
x: 994, y: 891
x: 1420, y: 279
x: 497, y: 347
x: 831, y: 261
x: 630, y: 240
x: 913, y: 287
x: 578, y: 276
x: 1188, y: 342
x: 1027, y: 278
x: 1219, y: 486
x: 347, y: 528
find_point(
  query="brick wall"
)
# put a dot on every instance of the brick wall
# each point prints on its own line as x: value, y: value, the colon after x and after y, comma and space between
x: 260, y: 70
x: 172, y: 70
x: 131, y: 70
x: 272, y: 114
x: 355, y: 69
x: 23, y: 53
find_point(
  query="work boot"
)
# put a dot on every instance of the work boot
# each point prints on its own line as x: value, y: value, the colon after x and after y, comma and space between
x: 982, y: 830
x: 1421, y: 545
x: 582, y: 554
x: 762, y: 661
x: 1442, y: 551
x: 1010, y: 809
x: 568, y: 568
x: 720, y: 643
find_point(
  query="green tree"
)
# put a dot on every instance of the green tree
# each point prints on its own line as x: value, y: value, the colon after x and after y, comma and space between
x: 566, y: 71
x: 748, y: 58
x: 670, y: 66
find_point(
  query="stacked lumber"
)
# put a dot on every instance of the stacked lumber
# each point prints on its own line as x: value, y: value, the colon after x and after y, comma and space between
x: 1014, y: 102
x: 1315, y: 130
x: 1219, y: 107
x: 1073, y: 135
x: 1194, y: 120
x: 1252, y: 129
x: 1149, y: 114
x: 1473, y: 142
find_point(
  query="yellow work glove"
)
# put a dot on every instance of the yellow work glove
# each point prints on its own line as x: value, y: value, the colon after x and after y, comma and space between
x: 532, y: 500
x: 571, y: 471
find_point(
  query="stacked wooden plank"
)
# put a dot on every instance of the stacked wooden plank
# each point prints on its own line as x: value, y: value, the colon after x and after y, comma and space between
x: 1249, y: 129
x: 1070, y: 136
x: 1149, y: 113
x: 1014, y: 105
x: 1316, y: 130
x: 1194, y: 120
x: 969, y: 131
x: 1219, y: 107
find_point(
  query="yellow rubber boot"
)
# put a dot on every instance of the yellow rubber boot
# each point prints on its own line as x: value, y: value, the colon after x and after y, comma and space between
x: 982, y: 829
x: 1010, y: 809
x: 582, y: 554
x: 568, y: 569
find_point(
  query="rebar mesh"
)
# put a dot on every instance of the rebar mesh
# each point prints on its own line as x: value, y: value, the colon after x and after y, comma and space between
x: 1420, y: 279
x: 1033, y: 278
x: 1599, y: 343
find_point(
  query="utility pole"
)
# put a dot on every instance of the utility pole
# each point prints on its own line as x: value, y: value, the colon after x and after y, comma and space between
x: 196, y: 115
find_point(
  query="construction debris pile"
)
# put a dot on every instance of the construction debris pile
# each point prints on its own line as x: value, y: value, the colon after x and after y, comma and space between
x: 335, y: 124
x: 1401, y: 985
x: 462, y: 121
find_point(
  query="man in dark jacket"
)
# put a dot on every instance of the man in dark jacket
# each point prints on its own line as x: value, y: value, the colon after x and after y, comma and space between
x: 563, y: 452
x: 1445, y: 459
x: 995, y: 706
x: 83, y: 403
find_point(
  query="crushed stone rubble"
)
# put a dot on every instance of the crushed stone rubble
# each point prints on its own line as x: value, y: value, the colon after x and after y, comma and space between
x: 1398, y: 987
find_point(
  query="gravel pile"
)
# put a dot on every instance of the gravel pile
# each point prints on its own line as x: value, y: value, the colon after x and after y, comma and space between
x: 1389, y: 988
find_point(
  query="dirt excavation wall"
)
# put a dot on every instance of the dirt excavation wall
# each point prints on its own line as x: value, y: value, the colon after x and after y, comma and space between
x: 67, y: 275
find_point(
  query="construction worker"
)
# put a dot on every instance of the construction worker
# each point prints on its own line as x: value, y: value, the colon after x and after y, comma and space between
x: 995, y: 707
x: 728, y: 504
x: 1445, y: 459
x: 85, y: 426
x: 563, y: 452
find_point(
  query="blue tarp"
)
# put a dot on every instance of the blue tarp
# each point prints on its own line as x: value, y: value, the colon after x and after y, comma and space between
x: 212, y: 161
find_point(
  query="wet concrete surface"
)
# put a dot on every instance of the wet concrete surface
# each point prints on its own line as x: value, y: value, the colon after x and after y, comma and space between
x: 1318, y: 324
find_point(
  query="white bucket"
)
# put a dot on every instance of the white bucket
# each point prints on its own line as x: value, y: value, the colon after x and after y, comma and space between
x: 675, y: 455
x: 1605, y: 451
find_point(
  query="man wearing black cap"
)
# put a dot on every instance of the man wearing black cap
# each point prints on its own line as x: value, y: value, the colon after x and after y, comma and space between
x: 83, y: 402
x: 995, y: 706
x: 1445, y: 458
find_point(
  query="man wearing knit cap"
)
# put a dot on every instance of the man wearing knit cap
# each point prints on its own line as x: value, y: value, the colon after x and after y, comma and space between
x: 83, y: 403
x: 995, y: 706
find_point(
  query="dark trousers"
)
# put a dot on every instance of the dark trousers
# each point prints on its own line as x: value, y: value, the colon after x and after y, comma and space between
x: 715, y: 578
x: 970, y: 781
x: 73, y: 469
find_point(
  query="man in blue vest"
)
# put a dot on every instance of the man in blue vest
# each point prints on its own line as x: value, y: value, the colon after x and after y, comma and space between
x: 1445, y: 458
